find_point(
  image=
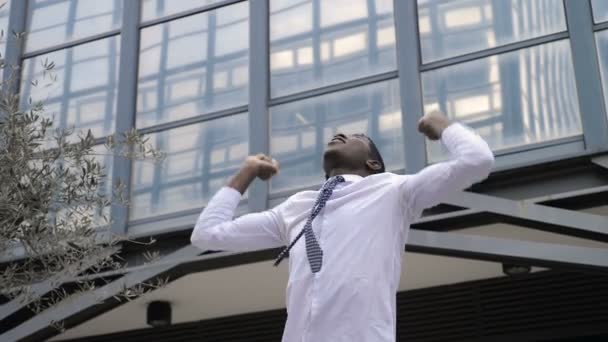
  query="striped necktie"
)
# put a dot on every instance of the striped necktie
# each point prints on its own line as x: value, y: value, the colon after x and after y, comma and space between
x: 313, y: 249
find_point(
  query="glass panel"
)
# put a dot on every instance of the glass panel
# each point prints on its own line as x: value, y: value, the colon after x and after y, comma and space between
x: 455, y: 27
x: 200, y: 159
x: 312, y: 46
x: 513, y: 99
x: 53, y: 22
x: 195, y: 65
x: 5, y: 8
x: 300, y: 130
x: 81, y: 89
x: 602, y: 48
x: 154, y: 9
x: 600, y: 10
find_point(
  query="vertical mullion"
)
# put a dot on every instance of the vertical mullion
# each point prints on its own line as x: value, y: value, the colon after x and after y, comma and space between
x: 14, y: 47
x: 126, y: 105
x: 587, y: 74
x: 259, y: 85
x: 410, y: 86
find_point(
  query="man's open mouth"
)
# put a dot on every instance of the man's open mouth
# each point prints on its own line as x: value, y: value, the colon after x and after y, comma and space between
x: 337, y: 139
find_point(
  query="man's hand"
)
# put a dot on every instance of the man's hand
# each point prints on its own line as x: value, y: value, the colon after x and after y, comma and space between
x: 432, y: 124
x: 260, y: 166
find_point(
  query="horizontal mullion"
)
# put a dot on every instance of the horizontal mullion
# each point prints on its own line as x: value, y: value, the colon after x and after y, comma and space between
x: 191, y: 180
x: 600, y: 26
x: 146, y: 221
x: 193, y: 66
x: 363, y: 24
x: 71, y: 44
x: 334, y: 88
x: 84, y: 92
x: 188, y: 13
x: 96, y: 142
x: 537, y: 145
x: 494, y: 51
x: 101, y: 140
x: 196, y: 119
x: 543, y: 145
x: 166, y: 216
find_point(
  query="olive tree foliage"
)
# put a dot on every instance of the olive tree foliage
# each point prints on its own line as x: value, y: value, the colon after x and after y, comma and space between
x: 55, y: 196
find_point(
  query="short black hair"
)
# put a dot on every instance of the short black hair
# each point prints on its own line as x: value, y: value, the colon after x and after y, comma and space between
x: 375, y: 153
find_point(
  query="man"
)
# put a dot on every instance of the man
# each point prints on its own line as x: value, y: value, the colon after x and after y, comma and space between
x: 344, y: 273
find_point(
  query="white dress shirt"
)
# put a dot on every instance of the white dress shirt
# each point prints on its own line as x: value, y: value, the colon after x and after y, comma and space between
x: 362, y: 231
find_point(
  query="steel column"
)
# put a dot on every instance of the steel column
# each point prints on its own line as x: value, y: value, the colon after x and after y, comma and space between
x: 126, y: 106
x: 14, y: 46
x: 410, y: 87
x: 259, y: 85
x: 587, y: 74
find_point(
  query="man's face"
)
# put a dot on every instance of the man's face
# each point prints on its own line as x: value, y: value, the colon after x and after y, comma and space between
x: 346, y: 151
x: 355, y: 145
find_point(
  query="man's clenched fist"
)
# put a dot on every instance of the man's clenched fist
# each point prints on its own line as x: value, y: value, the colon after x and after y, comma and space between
x: 432, y: 124
x: 262, y: 166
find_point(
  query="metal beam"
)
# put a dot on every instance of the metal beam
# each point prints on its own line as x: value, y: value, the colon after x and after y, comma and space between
x: 185, y: 261
x: 601, y: 161
x: 500, y: 250
x: 40, y: 289
x: 126, y: 106
x: 38, y: 327
x: 467, y: 218
x: 448, y: 244
x: 259, y: 85
x: 528, y: 214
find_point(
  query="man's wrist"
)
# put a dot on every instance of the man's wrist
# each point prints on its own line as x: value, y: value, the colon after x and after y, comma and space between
x: 248, y: 170
x: 243, y: 178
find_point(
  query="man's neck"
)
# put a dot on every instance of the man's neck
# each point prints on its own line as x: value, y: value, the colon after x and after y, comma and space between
x: 343, y: 171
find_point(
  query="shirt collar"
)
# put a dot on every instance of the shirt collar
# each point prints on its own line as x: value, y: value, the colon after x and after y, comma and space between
x: 351, y: 178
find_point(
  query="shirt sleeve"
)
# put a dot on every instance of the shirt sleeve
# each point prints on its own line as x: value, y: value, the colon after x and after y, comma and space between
x: 470, y: 161
x: 216, y: 228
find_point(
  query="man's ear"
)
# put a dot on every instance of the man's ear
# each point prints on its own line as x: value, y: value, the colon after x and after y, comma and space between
x: 373, y: 165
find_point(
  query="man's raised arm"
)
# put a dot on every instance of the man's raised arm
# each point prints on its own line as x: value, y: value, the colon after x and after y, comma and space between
x: 470, y: 161
x: 216, y: 228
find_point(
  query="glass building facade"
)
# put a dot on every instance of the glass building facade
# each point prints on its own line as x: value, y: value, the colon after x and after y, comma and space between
x: 211, y: 81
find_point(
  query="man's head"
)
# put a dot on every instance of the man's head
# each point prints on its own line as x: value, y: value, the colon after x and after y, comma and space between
x: 355, y: 153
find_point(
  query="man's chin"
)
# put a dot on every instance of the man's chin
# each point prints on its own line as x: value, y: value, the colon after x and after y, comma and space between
x: 332, y: 149
x: 332, y: 156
